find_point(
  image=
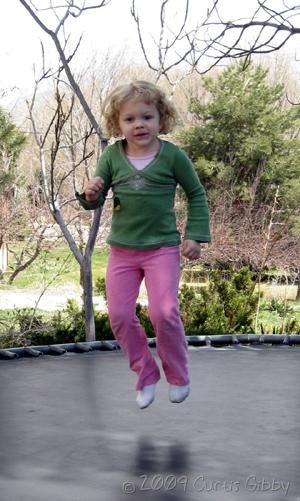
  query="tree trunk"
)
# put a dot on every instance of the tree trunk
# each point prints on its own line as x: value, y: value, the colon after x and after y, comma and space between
x: 87, y: 286
x: 297, y: 282
x: 85, y: 262
x: 3, y: 257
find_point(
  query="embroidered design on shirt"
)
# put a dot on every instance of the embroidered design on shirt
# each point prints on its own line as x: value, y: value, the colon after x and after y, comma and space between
x: 137, y: 182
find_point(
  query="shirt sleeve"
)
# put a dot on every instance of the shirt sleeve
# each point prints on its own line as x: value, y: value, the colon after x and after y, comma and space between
x: 103, y: 170
x: 197, y: 226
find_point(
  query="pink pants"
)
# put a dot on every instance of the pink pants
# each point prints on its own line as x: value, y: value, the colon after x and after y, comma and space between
x: 160, y: 268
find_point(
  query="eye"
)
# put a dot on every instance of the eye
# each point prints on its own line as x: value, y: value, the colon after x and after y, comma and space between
x: 128, y: 119
x: 148, y: 117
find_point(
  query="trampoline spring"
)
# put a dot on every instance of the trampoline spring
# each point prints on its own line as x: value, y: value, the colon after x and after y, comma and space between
x: 31, y: 352
x: 56, y: 350
x: 8, y: 355
x: 82, y: 348
x: 108, y: 345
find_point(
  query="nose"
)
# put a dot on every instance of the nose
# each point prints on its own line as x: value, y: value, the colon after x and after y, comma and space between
x: 139, y: 123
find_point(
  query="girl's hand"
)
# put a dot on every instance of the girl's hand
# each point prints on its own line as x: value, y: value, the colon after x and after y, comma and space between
x: 190, y: 249
x: 94, y: 188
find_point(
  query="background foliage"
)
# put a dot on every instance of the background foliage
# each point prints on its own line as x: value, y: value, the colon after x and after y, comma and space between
x: 243, y: 137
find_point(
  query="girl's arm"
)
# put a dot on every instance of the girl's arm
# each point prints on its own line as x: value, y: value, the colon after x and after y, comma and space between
x: 96, y: 189
x: 197, y: 226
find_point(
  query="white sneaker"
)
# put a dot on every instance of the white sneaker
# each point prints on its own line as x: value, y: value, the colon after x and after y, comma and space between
x: 146, y: 396
x: 178, y: 394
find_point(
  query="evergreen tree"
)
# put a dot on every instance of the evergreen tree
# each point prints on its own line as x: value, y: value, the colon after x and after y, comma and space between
x: 11, y: 142
x: 245, y: 139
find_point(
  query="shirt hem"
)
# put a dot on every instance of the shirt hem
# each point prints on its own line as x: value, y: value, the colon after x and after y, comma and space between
x: 198, y: 238
x: 137, y: 246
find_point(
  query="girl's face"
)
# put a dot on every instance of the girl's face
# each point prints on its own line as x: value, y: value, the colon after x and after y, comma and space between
x: 139, y: 122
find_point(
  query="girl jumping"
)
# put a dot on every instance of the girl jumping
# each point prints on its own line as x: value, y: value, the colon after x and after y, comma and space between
x: 143, y: 171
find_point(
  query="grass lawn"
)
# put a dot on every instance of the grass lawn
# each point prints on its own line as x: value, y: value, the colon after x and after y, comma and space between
x: 59, y: 267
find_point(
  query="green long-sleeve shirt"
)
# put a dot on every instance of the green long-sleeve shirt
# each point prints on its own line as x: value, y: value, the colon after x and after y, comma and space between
x: 144, y: 215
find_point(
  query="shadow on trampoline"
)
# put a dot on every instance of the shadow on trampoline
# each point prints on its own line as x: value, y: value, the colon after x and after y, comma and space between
x: 152, y: 459
x: 158, y: 472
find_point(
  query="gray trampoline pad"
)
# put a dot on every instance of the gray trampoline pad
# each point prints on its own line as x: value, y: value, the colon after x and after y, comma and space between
x: 71, y: 429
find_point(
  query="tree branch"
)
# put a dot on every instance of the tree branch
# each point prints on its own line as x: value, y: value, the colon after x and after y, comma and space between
x: 65, y: 63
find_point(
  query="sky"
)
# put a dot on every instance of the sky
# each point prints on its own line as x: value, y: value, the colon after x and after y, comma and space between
x: 111, y: 27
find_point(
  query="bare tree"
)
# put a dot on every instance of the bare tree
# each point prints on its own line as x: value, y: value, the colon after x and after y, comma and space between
x: 61, y: 150
x: 213, y: 39
x: 60, y: 38
x: 69, y: 8
x: 168, y: 41
x: 197, y: 41
x: 176, y: 46
x: 266, y: 30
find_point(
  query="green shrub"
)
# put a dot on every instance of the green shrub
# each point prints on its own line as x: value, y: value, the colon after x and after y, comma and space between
x: 11, y: 338
x: 281, y: 307
x: 100, y: 288
x: 142, y: 314
x: 225, y: 306
x: 289, y: 326
x: 27, y: 319
x: 22, y: 325
x: 70, y: 324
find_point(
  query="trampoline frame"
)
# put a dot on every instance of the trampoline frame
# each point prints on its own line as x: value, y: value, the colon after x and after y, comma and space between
x: 214, y: 341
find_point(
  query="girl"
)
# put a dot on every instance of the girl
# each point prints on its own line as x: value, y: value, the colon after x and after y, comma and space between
x: 143, y: 172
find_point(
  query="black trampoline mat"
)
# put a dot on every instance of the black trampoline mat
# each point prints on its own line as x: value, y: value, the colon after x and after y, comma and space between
x: 71, y: 429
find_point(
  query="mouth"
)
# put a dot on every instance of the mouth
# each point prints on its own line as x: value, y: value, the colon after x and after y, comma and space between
x: 141, y: 135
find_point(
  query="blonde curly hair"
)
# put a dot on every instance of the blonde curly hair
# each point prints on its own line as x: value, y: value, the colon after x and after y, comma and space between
x: 149, y: 93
